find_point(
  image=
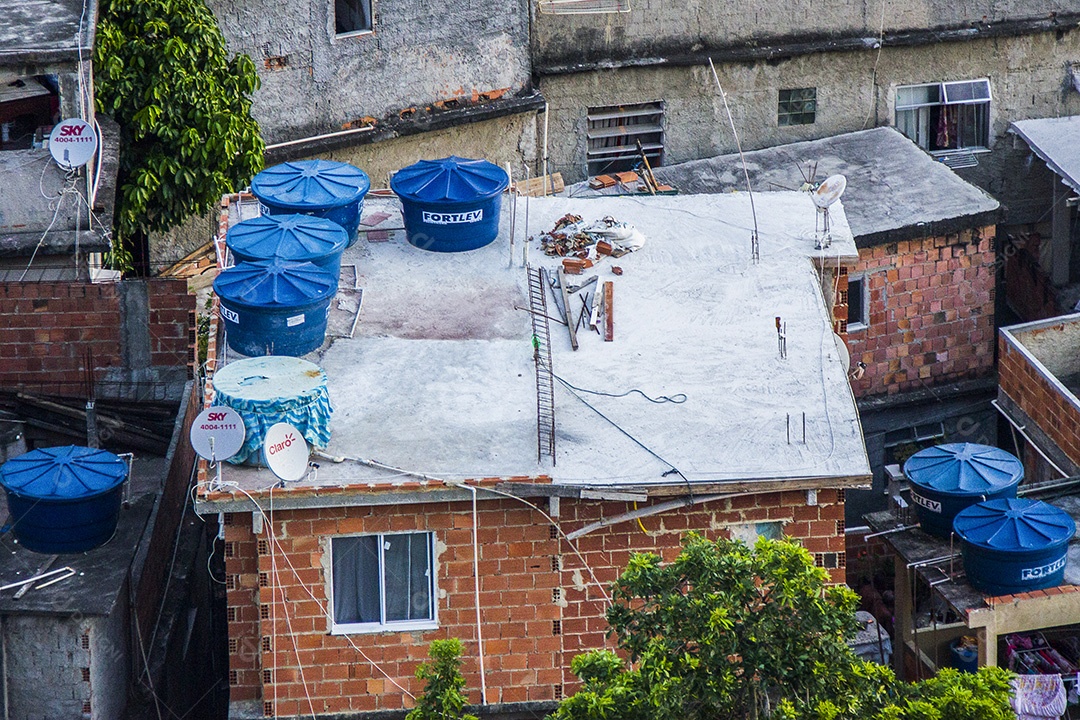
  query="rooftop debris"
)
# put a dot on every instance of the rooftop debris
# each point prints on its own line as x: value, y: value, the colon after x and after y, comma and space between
x: 572, y: 236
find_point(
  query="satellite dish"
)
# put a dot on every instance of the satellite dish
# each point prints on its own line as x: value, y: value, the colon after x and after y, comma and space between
x: 829, y: 191
x: 286, y: 452
x: 842, y: 351
x: 72, y: 143
x: 217, y: 433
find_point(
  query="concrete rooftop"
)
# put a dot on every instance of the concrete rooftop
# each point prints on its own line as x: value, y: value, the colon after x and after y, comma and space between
x: 895, y: 190
x: 36, y: 31
x: 439, y: 377
x: 1057, y: 143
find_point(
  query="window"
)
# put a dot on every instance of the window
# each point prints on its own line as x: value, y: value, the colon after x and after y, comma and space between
x: 613, y: 134
x: 29, y: 106
x: 796, y: 107
x: 352, y: 16
x: 382, y: 582
x: 940, y: 117
x: 856, y: 302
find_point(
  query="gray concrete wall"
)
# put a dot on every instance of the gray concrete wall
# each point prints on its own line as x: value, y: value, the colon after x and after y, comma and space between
x: 659, y: 29
x: 45, y: 658
x: 419, y: 53
x: 1027, y: 76
x: 110, y: 662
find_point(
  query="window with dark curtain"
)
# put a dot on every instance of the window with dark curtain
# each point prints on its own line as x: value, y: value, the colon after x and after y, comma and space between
x: 352, y: 16
x: 356, y: 579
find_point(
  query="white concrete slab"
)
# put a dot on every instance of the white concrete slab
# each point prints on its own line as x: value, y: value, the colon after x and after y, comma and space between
x: 439, y: 377
x: 1057, y: 142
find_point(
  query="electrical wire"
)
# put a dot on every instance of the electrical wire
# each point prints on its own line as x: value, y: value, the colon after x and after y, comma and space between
x: 873, y: 72
x: 275, y: 587
x: 677, y: 398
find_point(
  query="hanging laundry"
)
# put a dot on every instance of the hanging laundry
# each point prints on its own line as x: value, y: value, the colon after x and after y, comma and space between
x: 1036, y: 697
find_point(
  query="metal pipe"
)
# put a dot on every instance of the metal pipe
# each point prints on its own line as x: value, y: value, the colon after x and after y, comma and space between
x: 1020, y: 429
x: 900, y: 528
x: 932, y: 561
x: 315, y: 138
x: 649, y: 511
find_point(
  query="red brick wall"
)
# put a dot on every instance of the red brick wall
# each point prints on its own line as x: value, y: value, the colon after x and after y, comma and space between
x: 539, y: 606
x: 931, y: 312
x: 1055, y: 415
x: 46, y: 329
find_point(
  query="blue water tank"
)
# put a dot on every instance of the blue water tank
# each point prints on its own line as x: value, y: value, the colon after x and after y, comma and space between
x: 1014, y: 545
x: 273, y: 389
x: 300, y: 238
x: 450, y: 205
x: 945, y: 479
x: 324, y: 188
x: 275, y: 307
x: 64, y: 499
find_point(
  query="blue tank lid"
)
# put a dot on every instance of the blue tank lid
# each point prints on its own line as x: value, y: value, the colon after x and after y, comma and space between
x: 311, y: 185
x: 275, y: 283
x: 450, y: 180
x: 964, y: 469
x: 1014, y: 524
x: 63, y: 473
x: 290, y: 237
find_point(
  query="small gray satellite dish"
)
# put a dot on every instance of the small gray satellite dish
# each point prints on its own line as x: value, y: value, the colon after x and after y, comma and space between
x: 286, y: 452
x: 829, y: 191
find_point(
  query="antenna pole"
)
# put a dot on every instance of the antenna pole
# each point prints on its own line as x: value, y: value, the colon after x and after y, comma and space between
x: 723, y: 96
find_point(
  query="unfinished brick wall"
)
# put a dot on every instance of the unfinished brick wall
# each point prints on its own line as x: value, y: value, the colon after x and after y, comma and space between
x: 931, y: 312
x: 540, y: 607
x: 1044, y: 403
x: 46, y: 329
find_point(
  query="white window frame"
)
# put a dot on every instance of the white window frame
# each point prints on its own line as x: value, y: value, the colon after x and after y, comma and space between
x: 352, y: 33
x: 863, y: 300
x: 384, y: 626
x: 979, y: 87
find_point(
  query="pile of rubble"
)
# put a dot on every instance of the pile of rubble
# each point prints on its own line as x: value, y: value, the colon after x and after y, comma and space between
x: 582, y: 243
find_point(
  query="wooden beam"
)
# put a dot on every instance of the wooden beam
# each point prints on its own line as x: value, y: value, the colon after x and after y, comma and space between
x: 540, y: 186
x: 609, y: 309
x: 566, y: 309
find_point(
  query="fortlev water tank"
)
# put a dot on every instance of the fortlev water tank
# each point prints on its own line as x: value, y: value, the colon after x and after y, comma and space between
x: 269, y: 390
x: 1014, y: 545
x: 324, y: 188
x: 450, y: 205
x: 945, y: 479
x: 299, y: 238
x: 275, y: 307
x: 64, y: 499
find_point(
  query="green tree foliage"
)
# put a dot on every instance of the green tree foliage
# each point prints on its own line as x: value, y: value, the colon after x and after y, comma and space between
x: 184, y: 109
x: 443, y: 697
x: 728, y: 631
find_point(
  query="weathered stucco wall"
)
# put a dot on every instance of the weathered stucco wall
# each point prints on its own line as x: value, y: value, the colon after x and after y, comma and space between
x: 657, y: 29
x: 1028, y: 78
x: 417, y: 54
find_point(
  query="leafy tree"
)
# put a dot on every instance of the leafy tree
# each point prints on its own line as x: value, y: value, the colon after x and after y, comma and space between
x: 184, y: 109
x: 728, y: 631
x: 442, y: 698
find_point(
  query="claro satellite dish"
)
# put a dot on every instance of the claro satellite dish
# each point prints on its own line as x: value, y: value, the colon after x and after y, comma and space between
x: 72, y: 143
x: 826, y: 194
x: 286, y: 452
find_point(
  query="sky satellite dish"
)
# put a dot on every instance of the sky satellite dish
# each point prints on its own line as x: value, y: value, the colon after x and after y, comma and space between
x: 286, y: 452
x: 217, y: 433
x: 72, y: 143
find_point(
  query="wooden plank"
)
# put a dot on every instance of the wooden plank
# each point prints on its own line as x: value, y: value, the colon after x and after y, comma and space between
x: 566, y: 309
x: 539, y: 186
x: 609, y: 308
